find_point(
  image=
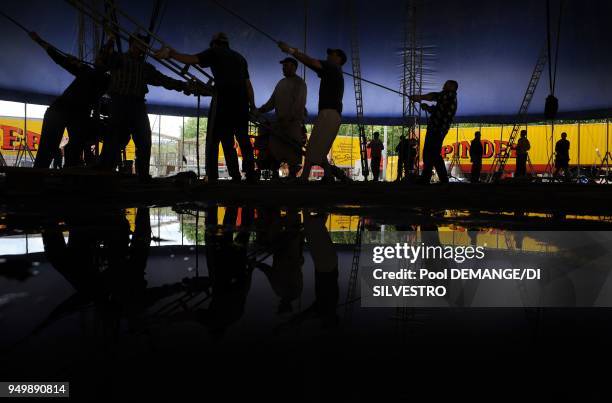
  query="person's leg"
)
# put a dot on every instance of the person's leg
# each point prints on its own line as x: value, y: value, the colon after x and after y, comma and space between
x: 429, y: 154
x: 118, y: 129
x: 53, y: 127
x: 441, y: 169
x: 329, y: 125
x: 142, y: 140
x: 520, y: 164
x: 78, y: 130
x: 310, y: 147
x: 375, y: 166
x: 476, y: 167
x: 400, y: 168
x: 246, y: 148
x: 229, y: 151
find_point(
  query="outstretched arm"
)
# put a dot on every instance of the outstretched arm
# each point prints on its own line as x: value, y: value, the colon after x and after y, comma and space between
x: 269, y: 105
x: 155, y: 78
x: 169, y: 53
x: 68, y: 63
x: 431, y: 97
x: 302, y: 57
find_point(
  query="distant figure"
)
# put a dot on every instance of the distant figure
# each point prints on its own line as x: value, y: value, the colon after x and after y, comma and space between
x: 476, y: 152
x: 562, y: 155
x: 235, y: 97
x: 72, y: 109
x: 440, y: 118
x: 130, y: 77
x: 376, y: 148
x: 522, y: 149
x: 328, y: 120
x: 289, y: 103
x: 402, y: 157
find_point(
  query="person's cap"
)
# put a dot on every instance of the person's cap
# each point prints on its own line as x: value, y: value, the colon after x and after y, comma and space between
x: 339, y: 52
x: 289, y: 60
x: 220, y: 37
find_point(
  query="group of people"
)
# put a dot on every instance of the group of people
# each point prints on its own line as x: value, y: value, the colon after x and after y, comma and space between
x: 235, y: 104
x: 125, y: 77
x: 522, y: 156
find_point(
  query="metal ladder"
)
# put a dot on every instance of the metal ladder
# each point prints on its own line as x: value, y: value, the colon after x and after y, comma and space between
x: 499, y: 162
x: 356, y: 62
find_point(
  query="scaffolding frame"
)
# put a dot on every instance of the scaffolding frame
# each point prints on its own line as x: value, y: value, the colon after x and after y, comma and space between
x: 412, y: 77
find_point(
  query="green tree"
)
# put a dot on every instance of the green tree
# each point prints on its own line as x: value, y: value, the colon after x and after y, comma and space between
x: 190, y: 127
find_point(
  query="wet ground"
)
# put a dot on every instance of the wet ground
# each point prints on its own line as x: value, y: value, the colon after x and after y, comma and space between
x: 257, y: 301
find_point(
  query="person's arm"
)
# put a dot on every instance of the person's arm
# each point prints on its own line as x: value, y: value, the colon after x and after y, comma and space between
x: 68, y: 63
x: 527, y: 145
x: 427, y: 108
x: 313, y: 63
x: 157, y: 79
x: 431, y: 97
x: 169, y: 53
x: 269, y: 105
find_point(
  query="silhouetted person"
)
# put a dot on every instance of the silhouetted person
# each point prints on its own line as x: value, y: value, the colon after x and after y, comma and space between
x: 227, y: 262
x: 234, y: 99
x: 72, y: 109
x: 282, y: 236
x: 289, y: 104
x: 376, y: 148
x: 440, y: 119
x: 562, y: 155
x: 401, y: 149
x: 328, y: 120
x: 325, y: 259
x: 130, y: 77
x: 522, y: 148
x: 476, y: 152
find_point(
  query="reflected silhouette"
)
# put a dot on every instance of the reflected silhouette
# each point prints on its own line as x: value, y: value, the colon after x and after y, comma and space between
x: 282, y: 237
x: 228, y: 269
x: 325, y: 259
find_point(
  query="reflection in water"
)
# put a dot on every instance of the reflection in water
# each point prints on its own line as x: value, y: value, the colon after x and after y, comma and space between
x: 151, y: 281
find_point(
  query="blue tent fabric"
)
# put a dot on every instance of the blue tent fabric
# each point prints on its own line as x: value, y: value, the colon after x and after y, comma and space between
x: 489, y: 47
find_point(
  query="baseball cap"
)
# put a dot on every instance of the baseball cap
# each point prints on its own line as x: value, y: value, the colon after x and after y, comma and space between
x: 289, y: 60
x: 339, y: 52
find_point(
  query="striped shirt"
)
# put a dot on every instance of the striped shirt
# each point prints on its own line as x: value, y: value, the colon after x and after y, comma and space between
x: 130, y: 77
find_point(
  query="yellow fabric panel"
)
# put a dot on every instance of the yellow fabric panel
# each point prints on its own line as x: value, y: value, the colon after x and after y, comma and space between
x: 391, y: 168
x: 592, y: 144
x: 345, y: 151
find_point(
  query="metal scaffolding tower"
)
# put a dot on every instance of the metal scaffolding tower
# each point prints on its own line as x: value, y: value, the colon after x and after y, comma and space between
x: 412, y: 76
x: 356, y: 62
x: 500, y: 160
